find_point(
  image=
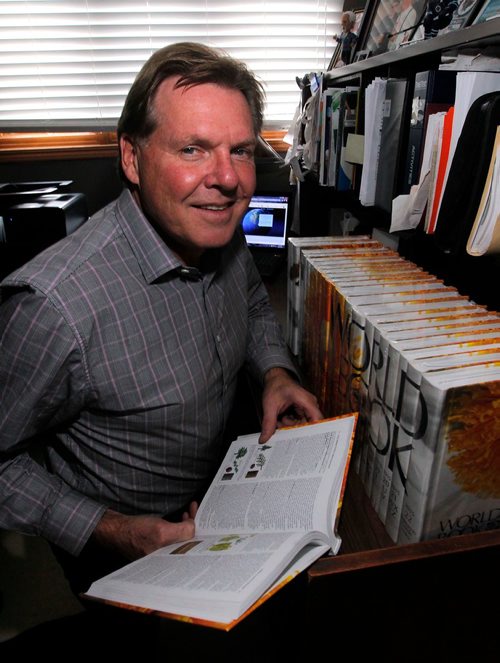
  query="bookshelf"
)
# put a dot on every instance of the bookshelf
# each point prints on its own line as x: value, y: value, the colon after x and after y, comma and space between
x: 421, y: 601
x: 473, y: 276
x: 423, y: 54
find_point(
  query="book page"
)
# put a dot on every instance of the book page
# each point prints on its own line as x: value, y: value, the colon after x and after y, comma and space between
x: 209, y: 577
x: 271, y: 510
x: 290, y: 483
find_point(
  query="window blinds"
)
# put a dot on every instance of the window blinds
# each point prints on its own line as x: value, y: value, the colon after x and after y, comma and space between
x: 70, y: 64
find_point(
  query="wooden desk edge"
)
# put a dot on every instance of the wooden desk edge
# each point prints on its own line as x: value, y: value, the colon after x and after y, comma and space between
x: 404, y: 553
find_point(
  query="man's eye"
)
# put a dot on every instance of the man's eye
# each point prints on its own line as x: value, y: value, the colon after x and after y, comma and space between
x: 245, y: 152
x: 190, y: 149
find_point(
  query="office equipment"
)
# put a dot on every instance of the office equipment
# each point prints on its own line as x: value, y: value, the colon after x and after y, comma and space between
x: 34, y: 215
x: 266, y: 225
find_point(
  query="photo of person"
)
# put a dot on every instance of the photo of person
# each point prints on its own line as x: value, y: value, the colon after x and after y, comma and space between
x: 347, y: 39
x: 393, y: 24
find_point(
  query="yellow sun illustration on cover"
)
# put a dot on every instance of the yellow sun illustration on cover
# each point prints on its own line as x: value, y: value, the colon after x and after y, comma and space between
x: 474, y: 439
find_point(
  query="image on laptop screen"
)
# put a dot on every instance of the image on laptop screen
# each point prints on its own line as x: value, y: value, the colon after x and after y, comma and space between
x: 265, y: 222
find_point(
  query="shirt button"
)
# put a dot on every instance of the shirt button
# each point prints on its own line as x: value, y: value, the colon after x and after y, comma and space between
x: 217, y: 338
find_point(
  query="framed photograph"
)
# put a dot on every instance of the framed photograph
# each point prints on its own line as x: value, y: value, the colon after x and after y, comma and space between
x: 490, y: 9
x: 335, y: 57
x: 392, y: 24
x: 361, y: 55
x: 462, y: 16
x: 360, y: 13
x: 335, y: 60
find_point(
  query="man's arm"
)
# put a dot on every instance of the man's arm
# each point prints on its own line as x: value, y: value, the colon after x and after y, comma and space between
x: 133, y: 537
x: 41, y: 384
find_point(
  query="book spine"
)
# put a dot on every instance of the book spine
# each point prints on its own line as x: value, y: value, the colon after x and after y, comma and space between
x: 339, y: 331
x: 304, y: 306
x: 416, y: 132
x: 366, y: 377
x: 324, y: 340
x: 324, y: 128
x: 408, y: 415
x: 345, y: 176
x: 444, y: 152
x: 425, y: 433
x: 293, y: 296
x: 391, y: 143
x: 360, y: 362
x: 353, y: 359
x: 423, y: 104
x: 333, y: 157
x: 382, y: 472
x: 375, y: 411
x: 464, y: 494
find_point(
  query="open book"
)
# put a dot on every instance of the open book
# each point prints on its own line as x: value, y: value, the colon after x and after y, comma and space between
x: 270, y: 512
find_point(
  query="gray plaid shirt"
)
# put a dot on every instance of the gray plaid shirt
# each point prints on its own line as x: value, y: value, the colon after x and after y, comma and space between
x: 128, y: 370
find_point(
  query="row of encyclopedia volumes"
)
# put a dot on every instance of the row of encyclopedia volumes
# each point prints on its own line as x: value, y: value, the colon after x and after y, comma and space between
x: 293, y: 286
x: 420, y: 363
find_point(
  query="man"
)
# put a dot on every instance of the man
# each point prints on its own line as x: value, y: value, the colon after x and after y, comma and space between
x: 121, y: 345
x: 347, y: 39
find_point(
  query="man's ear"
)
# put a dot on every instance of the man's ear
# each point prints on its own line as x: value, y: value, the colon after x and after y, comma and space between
x: 128, y: 156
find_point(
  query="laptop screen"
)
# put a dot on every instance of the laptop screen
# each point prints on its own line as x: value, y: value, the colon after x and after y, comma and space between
x: 265, y: 222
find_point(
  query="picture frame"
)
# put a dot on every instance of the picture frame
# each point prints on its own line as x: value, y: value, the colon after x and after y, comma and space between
x: 462, y: 16
x: 335, y: 57
x: 365, y: 24
x: 361, y: 55
x: 360, y: 14
x: 489, y: 10
x: 392, y: 23
x: 334, y: 61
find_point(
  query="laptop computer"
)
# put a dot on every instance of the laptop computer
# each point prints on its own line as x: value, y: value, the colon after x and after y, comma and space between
x: 266, y: 224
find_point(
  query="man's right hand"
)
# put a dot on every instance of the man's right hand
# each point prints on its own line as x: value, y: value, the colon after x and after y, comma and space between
x: 133, y: 537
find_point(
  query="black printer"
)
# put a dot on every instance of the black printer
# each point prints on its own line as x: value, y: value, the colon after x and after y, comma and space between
x: 34, y: 215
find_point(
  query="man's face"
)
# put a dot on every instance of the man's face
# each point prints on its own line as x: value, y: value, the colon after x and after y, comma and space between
x: 195, y: 174
x: 346, y: 23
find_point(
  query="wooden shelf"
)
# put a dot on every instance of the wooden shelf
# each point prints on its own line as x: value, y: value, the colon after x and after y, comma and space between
x: 365, y: 542
x: 407, y: 604
x: 429, y: 50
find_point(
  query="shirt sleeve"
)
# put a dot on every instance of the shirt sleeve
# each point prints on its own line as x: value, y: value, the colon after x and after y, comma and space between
x: 43, y: 382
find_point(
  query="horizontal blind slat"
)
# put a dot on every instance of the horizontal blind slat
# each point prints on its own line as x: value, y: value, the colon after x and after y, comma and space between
x: 74, y: 61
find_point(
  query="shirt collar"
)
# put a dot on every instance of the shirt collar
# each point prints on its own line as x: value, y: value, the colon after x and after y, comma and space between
x: 153, y: 255
x: 156, y: 260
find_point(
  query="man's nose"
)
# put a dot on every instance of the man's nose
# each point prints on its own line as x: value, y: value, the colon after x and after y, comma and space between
x: 223, y: 172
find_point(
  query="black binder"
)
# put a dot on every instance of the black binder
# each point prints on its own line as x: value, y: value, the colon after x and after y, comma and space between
x: 467, y: 174
x: 394, y: 138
